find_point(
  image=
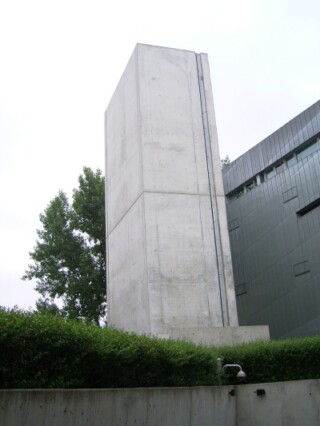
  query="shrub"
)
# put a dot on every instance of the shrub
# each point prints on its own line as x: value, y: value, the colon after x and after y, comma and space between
x: 278, y: 360
x: 43, y: 350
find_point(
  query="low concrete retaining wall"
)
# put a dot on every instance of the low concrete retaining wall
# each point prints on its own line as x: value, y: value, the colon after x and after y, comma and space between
x: 286, y: 403
x: 110, y: 407
x: 295, y: 403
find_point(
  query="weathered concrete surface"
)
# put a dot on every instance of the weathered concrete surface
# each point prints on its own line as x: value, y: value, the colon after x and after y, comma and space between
x: 169, y: 262
x: 293, y: 403
x: 150, y: 407
x: 221, y: 336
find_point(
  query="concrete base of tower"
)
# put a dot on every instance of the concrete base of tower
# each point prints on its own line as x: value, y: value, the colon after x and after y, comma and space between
x: 219, y: 336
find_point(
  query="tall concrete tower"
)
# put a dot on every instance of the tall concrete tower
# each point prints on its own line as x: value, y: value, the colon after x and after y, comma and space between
x: 169, y: 269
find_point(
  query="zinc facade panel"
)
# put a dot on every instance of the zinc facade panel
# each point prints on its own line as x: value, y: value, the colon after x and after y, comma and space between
x: 275, y: 251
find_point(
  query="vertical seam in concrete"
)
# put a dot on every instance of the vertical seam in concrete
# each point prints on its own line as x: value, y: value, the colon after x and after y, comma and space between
x: 215, y: 224
x: 143, y: 198
x: 139, y: 118
x: 204, y: 255
x: 222, y: 229
x: 190, y: 406
x: 106, y: 217
x: 193, y: 135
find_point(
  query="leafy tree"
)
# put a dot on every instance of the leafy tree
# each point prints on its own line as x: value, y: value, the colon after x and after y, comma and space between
x: 225, y: 161
x: 69, y: 256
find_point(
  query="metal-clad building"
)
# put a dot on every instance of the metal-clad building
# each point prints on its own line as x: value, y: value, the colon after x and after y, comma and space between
x: 273, y: 207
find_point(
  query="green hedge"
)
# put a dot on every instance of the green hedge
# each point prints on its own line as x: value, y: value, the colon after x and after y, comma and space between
x: 277, y: 360
x: 46, y: 351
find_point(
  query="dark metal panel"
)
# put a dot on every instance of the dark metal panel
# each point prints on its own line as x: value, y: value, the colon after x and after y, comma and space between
x: 275, y: 146
x: 275, y: 252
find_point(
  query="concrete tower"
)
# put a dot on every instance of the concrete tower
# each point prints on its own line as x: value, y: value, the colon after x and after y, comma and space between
x: 169, y: 269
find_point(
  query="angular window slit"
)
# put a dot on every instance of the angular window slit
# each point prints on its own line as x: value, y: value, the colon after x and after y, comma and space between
x: 241, y: 289
x: 301, y: 268
x: 309, y: 207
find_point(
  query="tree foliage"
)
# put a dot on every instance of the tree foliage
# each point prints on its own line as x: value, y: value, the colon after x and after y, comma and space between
x: 69, y: 255
x: 225, y: 161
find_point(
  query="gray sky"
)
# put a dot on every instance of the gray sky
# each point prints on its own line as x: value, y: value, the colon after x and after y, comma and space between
x: 60, y: 62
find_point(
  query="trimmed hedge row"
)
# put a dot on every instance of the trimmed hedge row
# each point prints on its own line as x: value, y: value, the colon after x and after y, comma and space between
x: 46, y: 351
x: 277, y: 360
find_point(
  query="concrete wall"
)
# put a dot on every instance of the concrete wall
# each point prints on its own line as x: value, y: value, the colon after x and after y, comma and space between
x: 149, y: 407
x: 221, y: 336
x: 169, y: 260
x: 293, y: 403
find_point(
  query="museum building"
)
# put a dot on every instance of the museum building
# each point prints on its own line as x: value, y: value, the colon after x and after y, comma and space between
x: 273, y: 207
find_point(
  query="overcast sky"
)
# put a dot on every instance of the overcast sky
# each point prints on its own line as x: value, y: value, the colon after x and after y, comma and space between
x: 60, y: 62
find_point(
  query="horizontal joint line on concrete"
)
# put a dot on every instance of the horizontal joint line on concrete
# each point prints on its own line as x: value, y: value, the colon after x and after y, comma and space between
x: 177, y: 193
x: 153, y: 192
